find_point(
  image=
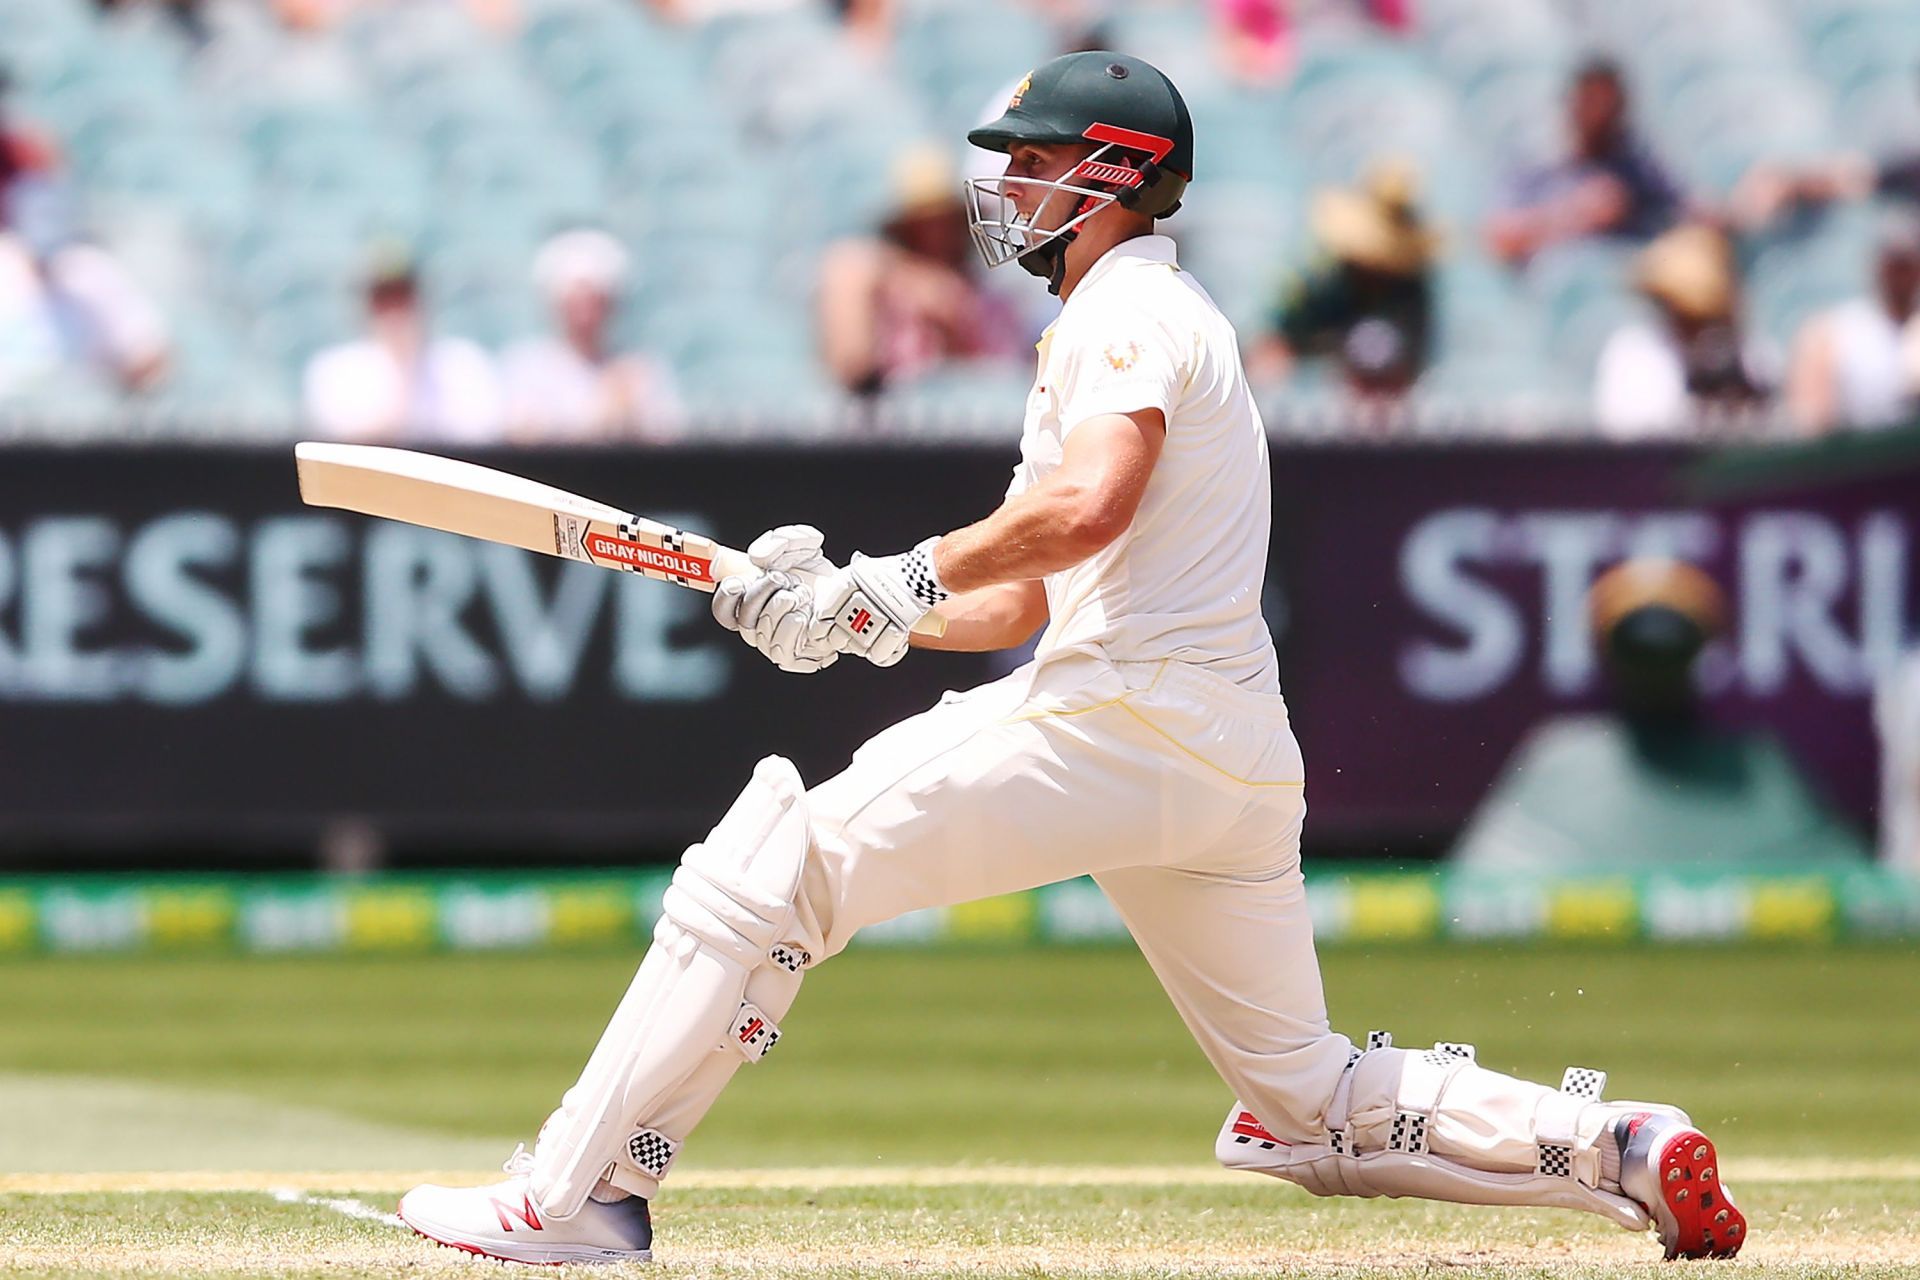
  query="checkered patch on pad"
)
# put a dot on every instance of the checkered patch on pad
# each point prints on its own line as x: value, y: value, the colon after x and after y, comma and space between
x: 652, y: 1151
x: 1409, y: 1134
x: 1584, y: 1082
x: 792, y: 959
x: 1556, y: 1161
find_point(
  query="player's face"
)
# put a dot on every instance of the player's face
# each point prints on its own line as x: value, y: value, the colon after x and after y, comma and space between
x: 1032, y: 202
x: 1042, y: 163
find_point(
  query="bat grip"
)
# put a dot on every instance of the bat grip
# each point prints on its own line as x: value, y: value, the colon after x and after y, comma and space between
x: 728, y: 563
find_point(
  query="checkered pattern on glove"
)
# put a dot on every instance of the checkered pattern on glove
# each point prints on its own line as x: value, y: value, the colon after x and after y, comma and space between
x: 916, y: 566
x: 872, y: 605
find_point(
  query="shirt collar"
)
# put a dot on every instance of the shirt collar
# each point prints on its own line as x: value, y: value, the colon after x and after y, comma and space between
x: 1138, y: 249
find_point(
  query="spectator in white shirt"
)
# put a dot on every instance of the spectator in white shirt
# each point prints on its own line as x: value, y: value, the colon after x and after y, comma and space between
x: 571, y: 387
x: 67, y: 305
x: 400, y: 384
x: 1858, y: 364
x: 1692, y: 371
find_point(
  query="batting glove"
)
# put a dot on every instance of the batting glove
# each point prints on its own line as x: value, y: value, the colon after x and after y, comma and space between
x: 791, y: 548
x: 871, y: 606
x: 772, y: 609
x: 773, y: 613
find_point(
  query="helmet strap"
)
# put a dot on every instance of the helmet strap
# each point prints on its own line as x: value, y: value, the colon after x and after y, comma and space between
x: 1049, y: 261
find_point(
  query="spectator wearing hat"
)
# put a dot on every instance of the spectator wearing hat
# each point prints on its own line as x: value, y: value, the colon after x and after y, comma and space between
x: 572, y: 386
x: 1607, y: 185
x: 1368, y: 303
x: 897, y: 305
x: 400, y: 383
x: 1693, y: 364
x: 1650, y: 783
x: 1858, y: 364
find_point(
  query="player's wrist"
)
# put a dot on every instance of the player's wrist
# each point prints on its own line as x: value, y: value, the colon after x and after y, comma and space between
x: 919, y: 568
x: 905, y: 586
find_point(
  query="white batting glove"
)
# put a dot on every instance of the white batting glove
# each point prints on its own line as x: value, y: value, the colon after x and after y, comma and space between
x: 791, y: 548
x: 773, y: 613
x: 871, y: 606
x: 772, y: 609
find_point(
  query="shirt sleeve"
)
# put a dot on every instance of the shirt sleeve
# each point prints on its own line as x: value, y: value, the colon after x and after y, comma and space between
x: 1656, y: 197
x: 1123, y: 364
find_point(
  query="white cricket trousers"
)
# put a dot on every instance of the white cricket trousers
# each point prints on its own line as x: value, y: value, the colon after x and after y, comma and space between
x: 1180, y: 793
x: 1177, y: 790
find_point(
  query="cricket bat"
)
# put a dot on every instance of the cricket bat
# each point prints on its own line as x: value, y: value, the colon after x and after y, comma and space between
x: 480, y: 502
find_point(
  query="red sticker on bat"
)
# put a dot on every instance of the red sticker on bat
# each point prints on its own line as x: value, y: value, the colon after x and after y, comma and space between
x: 636, y: 556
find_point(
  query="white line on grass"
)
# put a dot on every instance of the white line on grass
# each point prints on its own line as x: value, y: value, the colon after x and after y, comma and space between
x: 352, y: 1208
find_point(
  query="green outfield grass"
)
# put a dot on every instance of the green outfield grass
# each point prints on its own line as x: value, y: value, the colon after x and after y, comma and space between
x: 350, y: 1071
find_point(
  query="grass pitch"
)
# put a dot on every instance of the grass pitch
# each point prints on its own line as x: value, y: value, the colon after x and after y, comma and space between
x: 982, y: 1114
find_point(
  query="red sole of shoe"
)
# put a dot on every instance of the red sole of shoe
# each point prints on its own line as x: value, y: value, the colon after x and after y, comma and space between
x: 478, y: 1253
x: 1710, y: 1225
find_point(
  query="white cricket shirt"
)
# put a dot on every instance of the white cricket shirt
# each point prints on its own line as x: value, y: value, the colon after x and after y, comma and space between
x: 1183, y: 582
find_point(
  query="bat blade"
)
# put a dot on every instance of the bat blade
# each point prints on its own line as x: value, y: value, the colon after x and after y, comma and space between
x: 479, y: 502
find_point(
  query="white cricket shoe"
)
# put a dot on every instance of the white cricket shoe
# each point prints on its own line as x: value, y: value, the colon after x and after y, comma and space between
x: 1671, y: 1168
x: 502, y: 1222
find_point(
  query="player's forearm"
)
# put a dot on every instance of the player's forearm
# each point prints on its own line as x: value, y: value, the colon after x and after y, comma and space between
x: 1051, y: 527
x: 998, y: 617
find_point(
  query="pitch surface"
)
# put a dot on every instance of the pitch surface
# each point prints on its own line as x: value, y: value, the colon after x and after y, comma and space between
x: 962, y: 1113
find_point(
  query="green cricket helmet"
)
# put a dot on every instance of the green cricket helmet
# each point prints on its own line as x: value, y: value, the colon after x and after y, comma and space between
x: 1142, y: 157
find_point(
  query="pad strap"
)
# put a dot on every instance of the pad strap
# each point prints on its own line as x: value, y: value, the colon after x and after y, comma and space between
x: 1555, y: 1130
x: 1423, y: 1079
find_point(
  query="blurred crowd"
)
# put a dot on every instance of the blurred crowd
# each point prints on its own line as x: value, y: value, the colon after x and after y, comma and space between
x: 401, y: 381
x: 1689, y: 365
x: 1354, y: 309
x: 65, y: 302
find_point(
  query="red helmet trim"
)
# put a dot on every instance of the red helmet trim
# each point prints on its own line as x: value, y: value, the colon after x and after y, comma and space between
x: 1155, y: 146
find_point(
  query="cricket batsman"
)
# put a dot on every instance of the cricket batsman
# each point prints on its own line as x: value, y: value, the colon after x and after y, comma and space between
x: 1146, y: 744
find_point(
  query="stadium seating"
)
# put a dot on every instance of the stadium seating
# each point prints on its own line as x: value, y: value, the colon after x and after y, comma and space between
x: 244, y: 178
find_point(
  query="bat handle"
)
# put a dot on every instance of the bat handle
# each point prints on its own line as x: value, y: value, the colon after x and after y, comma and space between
x: 728, y: 563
